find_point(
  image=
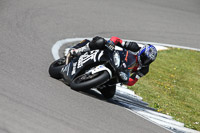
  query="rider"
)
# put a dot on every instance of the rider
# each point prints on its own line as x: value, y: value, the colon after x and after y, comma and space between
x: 144, y: 55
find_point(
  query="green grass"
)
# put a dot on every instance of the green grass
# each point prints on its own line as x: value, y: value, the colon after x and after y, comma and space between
x: 172, y: 86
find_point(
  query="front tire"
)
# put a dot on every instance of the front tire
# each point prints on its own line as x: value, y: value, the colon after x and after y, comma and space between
x: 99, y: 79
x: 55, y: 68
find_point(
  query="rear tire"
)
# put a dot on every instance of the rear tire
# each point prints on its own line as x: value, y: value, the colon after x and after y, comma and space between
x: 108, y: 92
x: 98, y: 80
x: 55, y: 68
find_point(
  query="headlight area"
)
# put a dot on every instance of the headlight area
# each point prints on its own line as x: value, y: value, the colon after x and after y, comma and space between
x: 116, y: 58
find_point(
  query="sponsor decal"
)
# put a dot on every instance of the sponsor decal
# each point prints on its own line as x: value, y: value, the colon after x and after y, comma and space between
x: 99, y: 57
x: 65, y: 69
x: 74, y: 68
x: 86, y: 57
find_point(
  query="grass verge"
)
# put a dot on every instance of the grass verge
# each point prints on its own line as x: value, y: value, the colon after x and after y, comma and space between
x: 172, y: 85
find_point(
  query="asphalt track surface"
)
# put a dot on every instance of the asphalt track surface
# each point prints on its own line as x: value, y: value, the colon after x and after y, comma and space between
x: 31, y: 101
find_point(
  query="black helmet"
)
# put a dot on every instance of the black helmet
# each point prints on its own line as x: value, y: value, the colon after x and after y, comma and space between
x: 147, y: 54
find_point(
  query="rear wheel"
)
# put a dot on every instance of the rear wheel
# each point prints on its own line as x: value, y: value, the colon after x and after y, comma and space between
x: 55, y: 68
x: 108, y: 91
x: 85, y: 82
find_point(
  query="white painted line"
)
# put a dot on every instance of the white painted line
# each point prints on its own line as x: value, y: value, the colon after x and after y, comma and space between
x: 165, y: 45
x: 155, y: 117
x: 168, y: 125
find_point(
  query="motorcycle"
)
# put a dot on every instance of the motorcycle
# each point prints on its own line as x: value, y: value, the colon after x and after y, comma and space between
x: 101, y: 69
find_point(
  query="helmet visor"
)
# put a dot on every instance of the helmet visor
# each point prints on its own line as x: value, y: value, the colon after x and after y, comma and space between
x: 131, y: 60
x: 144, y: 59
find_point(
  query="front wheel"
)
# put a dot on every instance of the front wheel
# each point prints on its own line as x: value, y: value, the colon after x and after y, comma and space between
x: 85, y: 82
x: 55, y: 68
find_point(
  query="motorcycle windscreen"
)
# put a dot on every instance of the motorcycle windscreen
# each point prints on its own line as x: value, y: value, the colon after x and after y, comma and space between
x: 130, y: 60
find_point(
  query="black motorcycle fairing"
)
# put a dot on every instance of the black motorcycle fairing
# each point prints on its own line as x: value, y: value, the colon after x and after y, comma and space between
x: 81, y: 64
x: 95, y: 69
